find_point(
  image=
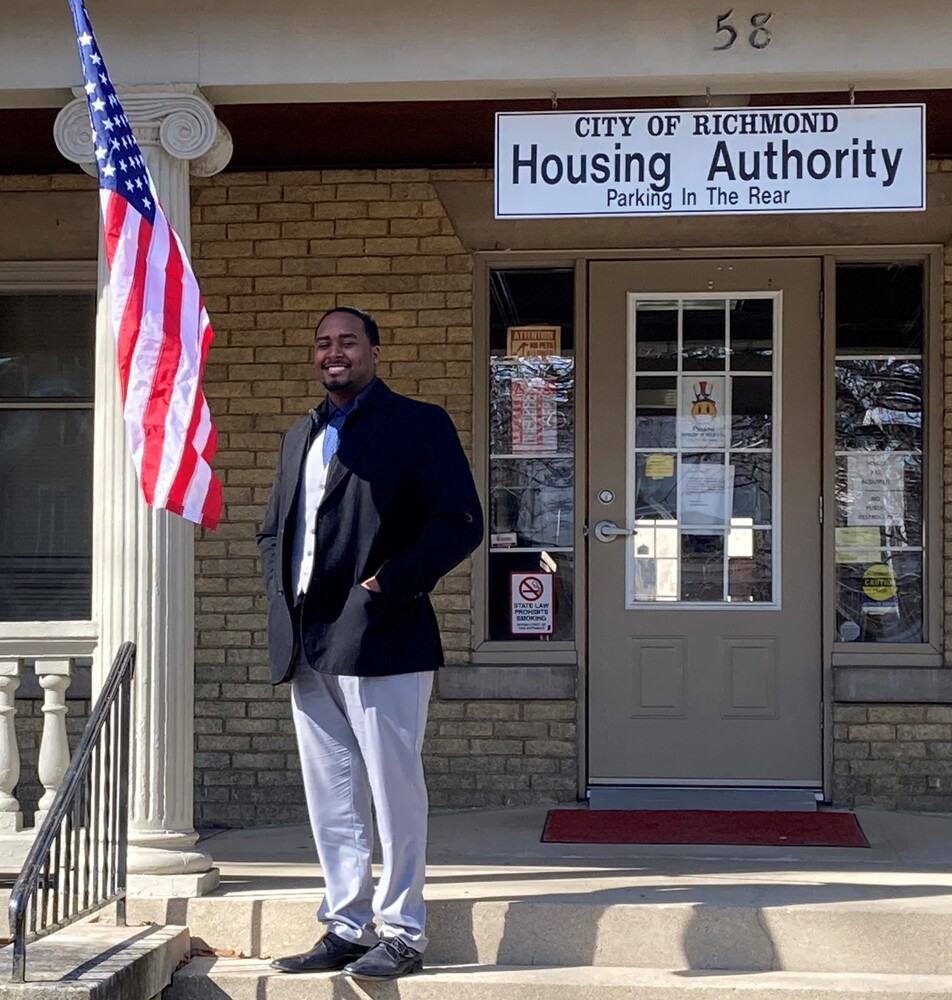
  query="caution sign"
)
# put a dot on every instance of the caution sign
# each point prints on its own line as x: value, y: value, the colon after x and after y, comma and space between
x: 879, y: 590
x: 531, y: 604
x: 879, y: 583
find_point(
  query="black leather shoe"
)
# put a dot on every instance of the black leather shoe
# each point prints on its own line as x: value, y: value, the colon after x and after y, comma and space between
x: 331, y: 952
x: 386, y: 960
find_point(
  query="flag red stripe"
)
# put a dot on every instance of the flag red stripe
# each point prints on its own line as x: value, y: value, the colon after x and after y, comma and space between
x: 211, y: 509
x: 113, y: 221
x: 156, y: 410
x: 128, y: 334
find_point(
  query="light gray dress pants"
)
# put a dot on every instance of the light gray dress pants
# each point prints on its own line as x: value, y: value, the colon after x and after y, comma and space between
x: 360, y: 740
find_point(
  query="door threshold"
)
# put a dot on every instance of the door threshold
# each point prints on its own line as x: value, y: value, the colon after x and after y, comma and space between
x: 707, y: 797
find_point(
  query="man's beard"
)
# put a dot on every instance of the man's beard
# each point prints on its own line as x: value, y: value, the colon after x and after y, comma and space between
x: 334, y: 382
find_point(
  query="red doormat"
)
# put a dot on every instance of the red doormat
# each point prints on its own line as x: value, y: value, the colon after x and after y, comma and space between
x: 703, y: 826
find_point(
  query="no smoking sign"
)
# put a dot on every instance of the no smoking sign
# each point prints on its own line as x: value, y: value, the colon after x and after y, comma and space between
x: 531, y: 605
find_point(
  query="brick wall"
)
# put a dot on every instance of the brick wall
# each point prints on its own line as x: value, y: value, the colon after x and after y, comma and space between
x: 893, y: 756
x: 273, y: 252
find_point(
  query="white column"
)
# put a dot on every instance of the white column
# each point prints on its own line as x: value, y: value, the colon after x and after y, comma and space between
x: 11, y: 819
x: 54, y: 677
x: 143, y: 563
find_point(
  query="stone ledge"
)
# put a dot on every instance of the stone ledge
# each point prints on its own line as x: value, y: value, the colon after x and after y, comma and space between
x: 501, y: 682
x: 91, y: 961
x: 902, y: 684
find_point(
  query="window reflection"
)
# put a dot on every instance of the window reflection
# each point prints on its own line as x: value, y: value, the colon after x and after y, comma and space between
x: 46, y: 428
x: 879, y: 461
x: 532, y: 444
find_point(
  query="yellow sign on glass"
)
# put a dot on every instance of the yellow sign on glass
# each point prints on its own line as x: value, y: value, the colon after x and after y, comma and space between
x: 857, y: 545
x: 879, y: 582
x: 659, y: 466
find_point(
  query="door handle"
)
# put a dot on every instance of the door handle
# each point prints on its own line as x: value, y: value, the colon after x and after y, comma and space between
x: 605, y: 531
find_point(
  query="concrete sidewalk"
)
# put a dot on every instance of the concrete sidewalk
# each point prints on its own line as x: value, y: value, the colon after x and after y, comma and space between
x: 497, y: 854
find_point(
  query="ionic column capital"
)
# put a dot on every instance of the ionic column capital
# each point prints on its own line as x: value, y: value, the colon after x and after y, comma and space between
x: 176, y: 118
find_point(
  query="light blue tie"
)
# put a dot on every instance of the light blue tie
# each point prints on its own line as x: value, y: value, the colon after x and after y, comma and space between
x: 332, y: 435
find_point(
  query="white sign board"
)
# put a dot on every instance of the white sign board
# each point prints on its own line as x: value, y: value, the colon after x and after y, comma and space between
x: 876, y: 490
x: 531, y: 604
x: 534, y: 428
x: 711, y: 161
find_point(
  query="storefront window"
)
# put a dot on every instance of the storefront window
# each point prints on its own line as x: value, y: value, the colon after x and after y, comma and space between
x: 531, y: 455
x: 879, y: 452
x: 46, y: 452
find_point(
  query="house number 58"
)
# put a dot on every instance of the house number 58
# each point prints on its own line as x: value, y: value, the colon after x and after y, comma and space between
x: 759, y: 38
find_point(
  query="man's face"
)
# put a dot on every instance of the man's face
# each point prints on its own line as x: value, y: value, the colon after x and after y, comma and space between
x: 344, y: 358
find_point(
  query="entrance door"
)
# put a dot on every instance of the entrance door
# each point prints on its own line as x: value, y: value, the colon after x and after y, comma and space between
x: 704, y: 575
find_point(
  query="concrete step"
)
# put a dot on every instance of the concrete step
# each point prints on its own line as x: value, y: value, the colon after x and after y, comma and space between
x: 236, y: 979
x: 899, y: 936
x: 95, y: 961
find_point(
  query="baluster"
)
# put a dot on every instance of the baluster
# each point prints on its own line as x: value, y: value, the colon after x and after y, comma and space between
x: 54, y: 676
x: 11, y: 819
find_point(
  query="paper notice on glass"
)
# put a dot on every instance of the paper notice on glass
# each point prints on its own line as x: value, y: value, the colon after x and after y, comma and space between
x: 703, y: 416
x: 534, y: 425
x: 706, y: 495
x: 857, y: 545
x: 659, y: 466
x: 875, y: 495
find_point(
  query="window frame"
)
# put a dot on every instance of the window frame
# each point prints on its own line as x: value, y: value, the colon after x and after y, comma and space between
x: 50, y: 278
x: 930, y: 652
x: 522, y: 651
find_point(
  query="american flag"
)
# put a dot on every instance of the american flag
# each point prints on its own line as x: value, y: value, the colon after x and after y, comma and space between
x: 161, y: 327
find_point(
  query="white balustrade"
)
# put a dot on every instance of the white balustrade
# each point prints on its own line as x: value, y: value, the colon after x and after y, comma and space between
x: 11, y: 819
x: 54, y: 677
x: 53, y: 648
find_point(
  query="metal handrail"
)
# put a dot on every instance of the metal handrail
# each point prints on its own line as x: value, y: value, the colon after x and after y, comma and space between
x: 77, y: 863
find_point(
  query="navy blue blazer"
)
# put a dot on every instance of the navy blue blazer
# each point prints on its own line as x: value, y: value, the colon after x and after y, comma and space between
x: 400, y: 504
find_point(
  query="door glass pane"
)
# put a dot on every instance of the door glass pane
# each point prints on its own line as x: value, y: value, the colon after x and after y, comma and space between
x: 702, y: 567
x: 753, y: 488
x: 879, y: 504
x: 749, y: 563
x: 751, y: 323
x: 705, y: 332
x: 656, y: 343
x: 704, y: 441
x: 656, y: 411
x: 751, y: 412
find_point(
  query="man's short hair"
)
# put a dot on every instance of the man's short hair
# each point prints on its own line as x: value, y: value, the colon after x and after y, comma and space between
x: 370, y: 324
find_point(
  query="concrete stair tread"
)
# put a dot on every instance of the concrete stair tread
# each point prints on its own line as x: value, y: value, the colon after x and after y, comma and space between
x: 889, y: 936
x: 249, y: 979
x: 94, y: 960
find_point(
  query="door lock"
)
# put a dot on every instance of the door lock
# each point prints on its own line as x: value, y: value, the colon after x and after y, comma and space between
x: 606, y: 530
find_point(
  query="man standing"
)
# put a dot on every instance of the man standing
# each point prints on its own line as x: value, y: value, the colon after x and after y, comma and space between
x: 373, y: 502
